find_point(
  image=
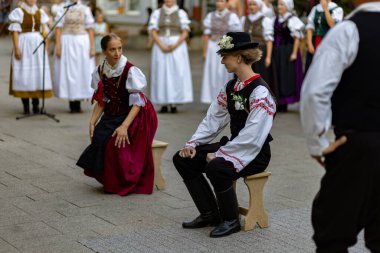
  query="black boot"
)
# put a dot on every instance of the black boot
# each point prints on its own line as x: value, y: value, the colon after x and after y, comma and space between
x: 25, y: 104
x: 78, y: 108
x: 204, y: 200
x: 164, y: 109
x: 229, y: 210
x: 35, y: 103
x: 72, y: 106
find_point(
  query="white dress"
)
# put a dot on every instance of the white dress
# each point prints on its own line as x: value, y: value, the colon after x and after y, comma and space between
x: 170, y: 72
x: 27, y: 73
x: 72, y: 71
x: 215, y: 74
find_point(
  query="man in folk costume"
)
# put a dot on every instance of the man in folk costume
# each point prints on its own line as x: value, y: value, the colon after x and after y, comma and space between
x: 247, y: 104
x: 322, y: 17
x: 341, y: 89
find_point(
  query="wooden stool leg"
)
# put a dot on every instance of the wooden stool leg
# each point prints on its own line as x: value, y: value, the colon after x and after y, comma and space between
x: 256, y: 212
x: 159, y: 180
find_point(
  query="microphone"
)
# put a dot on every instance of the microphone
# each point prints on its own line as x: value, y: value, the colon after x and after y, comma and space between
x: 70, y: 5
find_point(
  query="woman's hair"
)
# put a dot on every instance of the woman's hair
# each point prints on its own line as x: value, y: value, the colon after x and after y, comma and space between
x: 249, y: 56
x: 108, y: 38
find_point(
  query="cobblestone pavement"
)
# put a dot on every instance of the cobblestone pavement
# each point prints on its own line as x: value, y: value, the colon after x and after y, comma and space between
x: 48, y: 205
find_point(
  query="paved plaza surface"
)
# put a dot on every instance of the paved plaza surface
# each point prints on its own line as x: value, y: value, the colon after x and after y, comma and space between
x: 48, y: 205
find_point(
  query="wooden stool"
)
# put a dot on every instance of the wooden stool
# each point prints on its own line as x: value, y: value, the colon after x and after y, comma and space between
x: 255, y: 213
x: 158, y: 148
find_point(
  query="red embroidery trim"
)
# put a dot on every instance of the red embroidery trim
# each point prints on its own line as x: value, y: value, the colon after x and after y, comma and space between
x: 262, y: 99
x: 246, y: 82
x: 263, y: 107
x: 233, y: 157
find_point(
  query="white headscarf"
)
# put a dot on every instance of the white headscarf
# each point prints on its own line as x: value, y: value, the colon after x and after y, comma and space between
x: 289, y: 5
x: 258, y: 2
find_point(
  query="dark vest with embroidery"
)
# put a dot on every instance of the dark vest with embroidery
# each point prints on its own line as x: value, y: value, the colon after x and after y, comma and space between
x: 356, y: 101
x: 239, y: 117
x: 321, y: 27
x: 115, y: 94
x: 282, y: 34
x: 255, y: 29
x: 31, y: 22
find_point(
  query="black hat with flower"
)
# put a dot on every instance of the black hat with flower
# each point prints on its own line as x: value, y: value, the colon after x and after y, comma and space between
x: 234, y: 41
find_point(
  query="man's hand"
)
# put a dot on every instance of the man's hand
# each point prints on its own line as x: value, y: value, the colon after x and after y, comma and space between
x: 187, y: 152
x: 331, y: 148
x: 210, y: 157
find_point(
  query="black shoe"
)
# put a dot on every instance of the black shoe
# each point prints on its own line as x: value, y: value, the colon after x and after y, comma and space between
x: 173, y: 109
x: 164, y: 109
x: 226, y: 228
x: 203, y: 220
x: 72, y: 106
x: 35, y: 103
x: 25, y: 104
x: 282, y: 108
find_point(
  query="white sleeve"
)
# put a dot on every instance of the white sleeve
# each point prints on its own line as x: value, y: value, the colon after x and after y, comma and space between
x: 95, y: 78
x: 234, y: 23
x: 337, y: 14
x: 15, y: 19
x: 135, y: 85
x: 207, y: 24
x: 153, y: 21
x: 184, y: 20
x: 268, y: 29
x: 296, y: 27
x: 310, y: 19
x: 60, y: 13
x: 247, y: 145
x: 336, y: 53
x: 89, y: 22
x: 215, y: 121
x: 44, y: 17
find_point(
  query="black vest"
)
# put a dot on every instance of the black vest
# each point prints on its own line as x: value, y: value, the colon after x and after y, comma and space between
x: 239, y: 117
x: 356, y: 101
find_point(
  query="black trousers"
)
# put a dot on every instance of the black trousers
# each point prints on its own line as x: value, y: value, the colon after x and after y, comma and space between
x: 349, y: 197
x: 220, y: 172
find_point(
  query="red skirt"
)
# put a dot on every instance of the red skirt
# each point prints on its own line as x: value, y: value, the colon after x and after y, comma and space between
x: 129, y: 169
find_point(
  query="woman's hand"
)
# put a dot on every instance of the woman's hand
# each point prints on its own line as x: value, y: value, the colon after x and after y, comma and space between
x: 121, y: 134
x: 310, y: 48
x: 92, y: 52
x: 18, y: 54
x: 165, y: 49
x: 293, y: 57
x: 210, y: 157
x: 91, y: 128
x: 187, y: 152
x: 58, y: 51
x: 268, y: 62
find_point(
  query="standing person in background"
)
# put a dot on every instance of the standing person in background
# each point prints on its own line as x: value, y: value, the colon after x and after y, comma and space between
x: 28, y: 26
x: 341, y: 89
x: 74, y: 55
x: 322, y: 17
x: 235, y: 7
x: 268, y: 9
x: 57, y: 7
x: 5, y: 8
x: 260, y: 28
x: 100, y: 29
x: 288, y: 73
x: 170, y: 67
x: 216, y: 24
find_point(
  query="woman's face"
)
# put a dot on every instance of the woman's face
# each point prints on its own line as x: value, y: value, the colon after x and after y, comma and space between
x: 253, y: 7
x: 113, y: 52
x: 281, y: 7
x: 99, y: 18
x: 169, y: 3
x: 230, y: 62
x: 30, y: 2
x: 220, y: 5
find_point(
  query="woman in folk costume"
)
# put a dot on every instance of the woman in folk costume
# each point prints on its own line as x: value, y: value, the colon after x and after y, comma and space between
x: 170, y: 67
x: 247, y: 105
x: 322, y: 17
x: 27, y: 26
x: 120, y: 154
x: 74, y: 55
x: 286, y: 57
x: 260, y: 29
x: 268, y: 10
x: 216, y: 24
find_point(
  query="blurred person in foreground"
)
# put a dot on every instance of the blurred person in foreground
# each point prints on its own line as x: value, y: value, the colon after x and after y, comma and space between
x: 341, y: 90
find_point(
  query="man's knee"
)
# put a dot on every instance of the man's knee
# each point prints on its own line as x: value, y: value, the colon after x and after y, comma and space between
x: 214, y: 168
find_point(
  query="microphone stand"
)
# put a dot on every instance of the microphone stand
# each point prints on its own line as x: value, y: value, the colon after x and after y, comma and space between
x: 43, y: 42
